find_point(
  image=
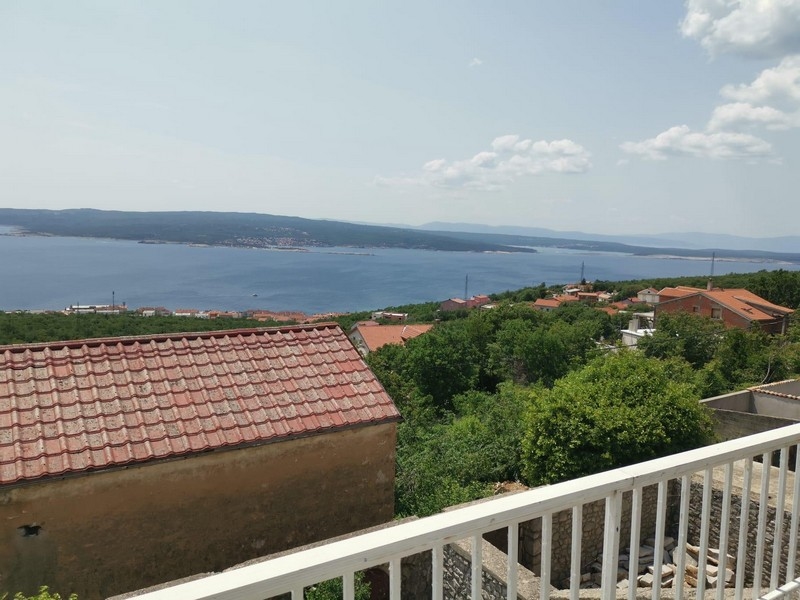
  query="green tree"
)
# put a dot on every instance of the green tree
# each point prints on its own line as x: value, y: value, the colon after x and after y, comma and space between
x: 684, y: 335
x: 620, y: 409
x: 443, y: 363
x: 452, y: 462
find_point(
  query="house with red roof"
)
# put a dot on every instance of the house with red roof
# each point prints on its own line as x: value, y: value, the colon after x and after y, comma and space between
x: 461, y: 304
x: 550, y: 304
x: 125, y: 462
x: 734, y: 307
x: 368, y: 336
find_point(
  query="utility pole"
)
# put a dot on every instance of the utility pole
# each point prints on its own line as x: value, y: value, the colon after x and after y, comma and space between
x: 466, y: 288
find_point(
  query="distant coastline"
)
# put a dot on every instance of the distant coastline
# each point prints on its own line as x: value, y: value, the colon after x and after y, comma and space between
x: 294, y: 234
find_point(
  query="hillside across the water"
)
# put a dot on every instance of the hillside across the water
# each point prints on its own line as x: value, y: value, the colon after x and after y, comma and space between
x: 252, y: 230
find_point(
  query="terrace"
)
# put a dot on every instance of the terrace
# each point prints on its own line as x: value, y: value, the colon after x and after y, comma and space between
x: 718, y: 496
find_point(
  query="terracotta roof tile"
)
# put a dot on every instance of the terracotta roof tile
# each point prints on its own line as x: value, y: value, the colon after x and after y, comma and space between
x: 376, y: 336
x: 93, y: 404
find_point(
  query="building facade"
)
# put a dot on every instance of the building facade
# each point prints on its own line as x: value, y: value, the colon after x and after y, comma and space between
x: 127, y: 462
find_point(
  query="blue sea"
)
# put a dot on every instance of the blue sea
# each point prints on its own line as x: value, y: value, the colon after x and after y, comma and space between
x: 55, y: 272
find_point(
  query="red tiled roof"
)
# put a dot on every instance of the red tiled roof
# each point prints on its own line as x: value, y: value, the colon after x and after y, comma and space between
x: 669, y: 293
x: 92, y: 404
x: 376, y: 336
x: 547, y: 303
x: 748, y: 304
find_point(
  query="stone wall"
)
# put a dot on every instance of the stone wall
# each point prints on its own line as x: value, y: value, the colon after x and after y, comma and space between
x: 695, y: 520
x: 113, y: 531
x: 593, y: 527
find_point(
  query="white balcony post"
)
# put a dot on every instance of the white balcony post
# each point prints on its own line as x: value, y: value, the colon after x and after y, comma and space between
x: 547, y: 539
x: 437, y: 572
x: 349, y: 586
x: 395, y: 578
x: 791, y: 559
x: 683, y: 525
x: 477, y: 566
x: 575, y: 553
x: 727, y: 491
x: 777, y: 542
x: 636, y: 534
x: 611, y: 546
x: 658, y: 551
x: 744, y: 519
x: 705, y: 526
x: 513, y: 561
x: 763, y: 509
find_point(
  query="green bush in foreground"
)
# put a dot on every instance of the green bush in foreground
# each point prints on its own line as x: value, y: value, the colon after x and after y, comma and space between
x: 620, y: 409
x: 44, y: 594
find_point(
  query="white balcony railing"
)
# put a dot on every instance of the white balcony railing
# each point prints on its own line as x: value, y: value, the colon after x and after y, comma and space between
x: 731, y: 464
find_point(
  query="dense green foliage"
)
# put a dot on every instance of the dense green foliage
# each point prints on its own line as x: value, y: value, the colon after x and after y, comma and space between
x: 20, y: 328
x: 477, y: 390
x: 43, y: 594
x: 620, y: 409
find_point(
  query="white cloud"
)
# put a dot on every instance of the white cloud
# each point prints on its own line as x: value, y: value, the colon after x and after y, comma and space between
x: 744, y: 114
x: 475, y: 62
x: 509, y: 158
x: 757, y: 28
x: 779, y: 84
x: 682, y: 141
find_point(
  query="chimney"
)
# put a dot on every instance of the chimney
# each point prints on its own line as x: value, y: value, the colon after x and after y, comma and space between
x: 709, y: 285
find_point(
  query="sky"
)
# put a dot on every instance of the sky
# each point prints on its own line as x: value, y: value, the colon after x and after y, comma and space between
x: 606, y: 117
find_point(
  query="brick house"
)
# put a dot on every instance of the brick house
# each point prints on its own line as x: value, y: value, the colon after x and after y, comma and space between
x: 126, y: 462
x: 734, y: 307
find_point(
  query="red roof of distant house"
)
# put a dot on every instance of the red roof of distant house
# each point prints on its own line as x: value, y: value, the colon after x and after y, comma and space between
x: 670, y: 293
x: 92, y: 404
x: 748, y: 304
x: 375, y: 335
x: 546, y: 303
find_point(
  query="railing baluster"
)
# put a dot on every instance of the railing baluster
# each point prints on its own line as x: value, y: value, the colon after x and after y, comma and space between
x: 744, y: 518
x: 437, y: 572
x: 611, y: 545
x: 777, y: 542
x: 763, y: 508
x: 727, y: 491
x: 575, y: 553
x: 658, y: 553
x: 349, y: 586
x: 683, y: 525
x: 347, y: 558
x: 791, y: 557
x: 547, y: 539
x: 705, y: 526
x: 636, y: 534
x: 395, y: 578
x: 513, y: 561
x: 477, y: 566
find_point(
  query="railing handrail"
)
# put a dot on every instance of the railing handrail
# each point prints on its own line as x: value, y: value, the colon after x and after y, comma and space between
x: 305, y: 567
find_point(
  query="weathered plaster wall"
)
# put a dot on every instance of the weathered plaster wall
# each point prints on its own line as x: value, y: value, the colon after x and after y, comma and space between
x: 730, y: 424
x: 108, y: 532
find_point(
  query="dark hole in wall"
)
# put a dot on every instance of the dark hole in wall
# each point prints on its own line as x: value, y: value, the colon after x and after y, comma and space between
x: 29, y: 530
